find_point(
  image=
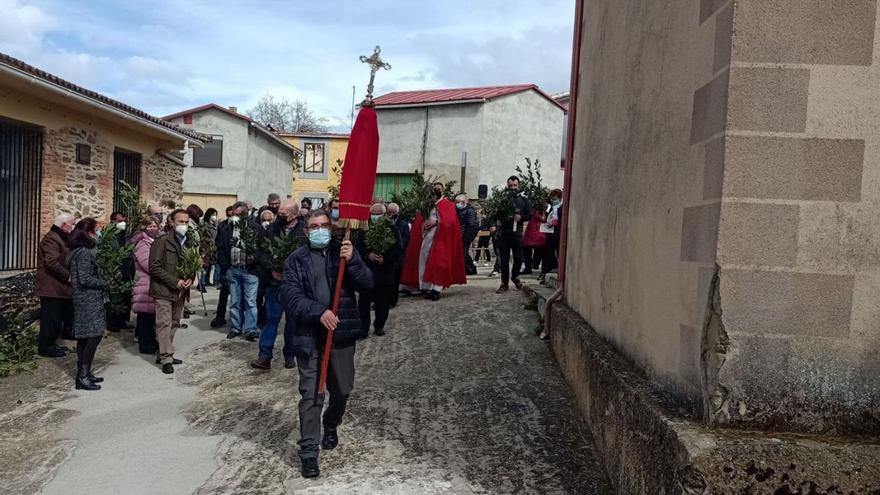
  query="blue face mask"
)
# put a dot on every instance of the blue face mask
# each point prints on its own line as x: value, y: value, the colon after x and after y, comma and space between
x: 375, y: 218
x: 319, y: 238
x: 334, y: 214
x: 460, y: 206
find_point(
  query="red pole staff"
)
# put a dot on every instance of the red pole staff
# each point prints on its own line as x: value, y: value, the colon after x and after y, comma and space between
x: 328, y: 345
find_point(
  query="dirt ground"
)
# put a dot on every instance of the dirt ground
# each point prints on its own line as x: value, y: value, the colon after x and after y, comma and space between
x: 459, y: 397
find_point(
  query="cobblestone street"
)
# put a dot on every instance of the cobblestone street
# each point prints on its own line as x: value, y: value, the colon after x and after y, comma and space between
x: 459, y: 397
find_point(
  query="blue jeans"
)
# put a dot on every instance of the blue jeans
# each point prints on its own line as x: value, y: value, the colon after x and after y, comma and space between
x: 274, y: 310
x: 242, y: 291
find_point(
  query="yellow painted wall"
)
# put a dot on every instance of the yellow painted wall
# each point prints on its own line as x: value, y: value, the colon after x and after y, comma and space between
x: 337, y: 148
x: 51, y: 114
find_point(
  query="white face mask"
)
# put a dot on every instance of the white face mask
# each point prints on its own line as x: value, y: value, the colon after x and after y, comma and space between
x: 234, y: 219
x: 121, y: 225
x: 214, y: 218
x: 266, y: 224
x: 181, y: 229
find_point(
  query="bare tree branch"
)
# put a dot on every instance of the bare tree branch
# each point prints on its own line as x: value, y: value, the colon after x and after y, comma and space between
x: 285, y: 115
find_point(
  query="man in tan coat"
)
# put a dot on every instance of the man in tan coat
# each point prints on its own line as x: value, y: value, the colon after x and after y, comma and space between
x: 166, y: 288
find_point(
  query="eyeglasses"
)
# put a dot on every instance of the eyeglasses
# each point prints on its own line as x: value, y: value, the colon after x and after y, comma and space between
x: 325, y: 225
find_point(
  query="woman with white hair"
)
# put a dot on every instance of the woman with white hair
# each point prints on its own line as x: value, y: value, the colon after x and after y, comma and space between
x: 52, y: 285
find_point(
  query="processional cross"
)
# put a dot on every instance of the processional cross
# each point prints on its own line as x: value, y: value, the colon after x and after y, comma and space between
x: 375, y: 62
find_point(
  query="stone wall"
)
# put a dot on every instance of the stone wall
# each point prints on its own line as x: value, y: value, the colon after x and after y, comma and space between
x: 799, y: 234
x: 87, y: 190
x: 70, y: 187
x: 724, y: 234
x: 161, y: 178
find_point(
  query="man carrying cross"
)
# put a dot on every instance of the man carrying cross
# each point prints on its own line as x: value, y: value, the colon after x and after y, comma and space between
x: 320, y: 281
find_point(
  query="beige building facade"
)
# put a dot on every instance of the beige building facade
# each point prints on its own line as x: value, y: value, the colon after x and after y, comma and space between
x: 724, y: 223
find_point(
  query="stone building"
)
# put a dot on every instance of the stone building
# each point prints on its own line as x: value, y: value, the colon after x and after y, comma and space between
x: 723, y: 244
x: 64, y: 148
x: 491, y: 129
x: 244, y: 160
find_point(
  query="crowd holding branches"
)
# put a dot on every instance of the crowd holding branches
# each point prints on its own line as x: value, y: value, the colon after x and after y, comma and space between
x: 420, y: 197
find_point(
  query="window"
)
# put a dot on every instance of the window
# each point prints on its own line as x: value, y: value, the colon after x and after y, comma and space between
x: 21, y: 164
x: 211, y: 155
x: 126, y: 168
x: 314, y: 158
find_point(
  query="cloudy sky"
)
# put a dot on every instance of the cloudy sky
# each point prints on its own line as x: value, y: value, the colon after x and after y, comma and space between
x: 164, y: 56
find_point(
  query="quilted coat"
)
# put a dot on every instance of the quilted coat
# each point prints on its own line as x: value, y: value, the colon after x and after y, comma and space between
x: 141, y: 300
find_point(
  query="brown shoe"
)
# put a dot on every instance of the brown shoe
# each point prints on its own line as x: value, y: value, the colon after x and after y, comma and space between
x: 261, y: 364
x: 501, y: 290
x: 517, y: 283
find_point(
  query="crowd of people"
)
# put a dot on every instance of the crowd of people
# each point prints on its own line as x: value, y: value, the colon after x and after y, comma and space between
x: 423, y: 255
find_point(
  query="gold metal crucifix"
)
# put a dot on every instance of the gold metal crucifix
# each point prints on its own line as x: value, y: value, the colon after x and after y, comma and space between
x: 375, y: 62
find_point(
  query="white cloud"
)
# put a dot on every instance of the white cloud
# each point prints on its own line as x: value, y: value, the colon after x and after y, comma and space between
x: 166, y: 55
x: 23, y: 26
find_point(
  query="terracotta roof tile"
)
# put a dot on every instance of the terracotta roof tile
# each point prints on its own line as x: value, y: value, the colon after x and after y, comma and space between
x: 457, y: 95
x: 50, y: 78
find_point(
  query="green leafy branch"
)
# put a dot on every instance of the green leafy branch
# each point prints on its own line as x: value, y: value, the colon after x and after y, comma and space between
x: 380, y: 236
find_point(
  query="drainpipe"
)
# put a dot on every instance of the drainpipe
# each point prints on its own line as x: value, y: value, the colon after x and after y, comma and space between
x: 569, y: 164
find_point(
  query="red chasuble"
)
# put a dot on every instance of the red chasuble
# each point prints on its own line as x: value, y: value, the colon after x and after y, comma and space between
x: 445, y: 266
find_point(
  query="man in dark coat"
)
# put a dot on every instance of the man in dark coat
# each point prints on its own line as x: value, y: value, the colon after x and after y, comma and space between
x: 383, y: 266
x: 220, y: 318
x: 470, y: 227
x: 288, y: 225
x: 52, y: 285
x: 307, y: 291
x: 240, y: 268
x: 510, y: 236
x: 404, y: 231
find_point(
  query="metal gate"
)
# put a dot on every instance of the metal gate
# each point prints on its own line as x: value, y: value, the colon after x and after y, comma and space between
x: 21, y: 167
x: 126, y: 168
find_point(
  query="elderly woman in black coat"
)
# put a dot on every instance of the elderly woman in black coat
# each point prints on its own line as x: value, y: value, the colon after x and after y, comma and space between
x: 89, y: 317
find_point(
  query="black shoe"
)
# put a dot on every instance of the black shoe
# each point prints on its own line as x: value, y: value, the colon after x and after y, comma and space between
x: 218, y: 322
x: 95, y: 379
x: 167, y: 368
x: 310, y: 468
x: 252, y: 337
x: 52, y: 352
x: 261, y: 364
x: 379, y: 331
x: 233, y: 334
x: 289, y: 363
x: 82, y: 381
x: 517, y: 283
x: 173, y: 360
x: 330, y: 441
x: 434, y: 295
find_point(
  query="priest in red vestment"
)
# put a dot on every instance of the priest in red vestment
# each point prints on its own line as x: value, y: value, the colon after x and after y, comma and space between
x: 434, y: 257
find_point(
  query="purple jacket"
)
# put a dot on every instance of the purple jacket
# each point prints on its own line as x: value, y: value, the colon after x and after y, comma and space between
x: 141, y: 301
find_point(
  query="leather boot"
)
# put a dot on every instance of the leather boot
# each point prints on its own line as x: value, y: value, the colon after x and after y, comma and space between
x: 95, y: 379
x: 83, y: 382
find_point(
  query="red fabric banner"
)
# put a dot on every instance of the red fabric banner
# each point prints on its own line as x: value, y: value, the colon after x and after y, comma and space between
x: 359, y: 171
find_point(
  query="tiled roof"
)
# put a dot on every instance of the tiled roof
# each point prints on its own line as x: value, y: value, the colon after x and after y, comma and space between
x: 134, y: 112
x: 330, y: 135
x: 214, y: 106
x: 452, y: 96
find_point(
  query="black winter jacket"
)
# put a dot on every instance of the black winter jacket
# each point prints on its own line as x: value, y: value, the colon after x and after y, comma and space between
x: 383, y: 274
x: 302, y: 306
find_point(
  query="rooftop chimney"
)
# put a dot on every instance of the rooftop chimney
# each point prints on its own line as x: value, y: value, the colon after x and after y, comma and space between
x: 233, y: 109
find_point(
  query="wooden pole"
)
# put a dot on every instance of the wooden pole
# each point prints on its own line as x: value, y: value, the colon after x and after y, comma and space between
x: 328, y: 345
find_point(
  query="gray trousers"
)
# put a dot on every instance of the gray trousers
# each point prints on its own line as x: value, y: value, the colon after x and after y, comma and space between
x: 340, y: 381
